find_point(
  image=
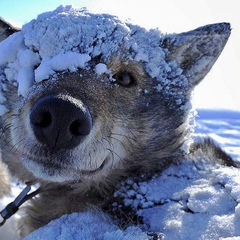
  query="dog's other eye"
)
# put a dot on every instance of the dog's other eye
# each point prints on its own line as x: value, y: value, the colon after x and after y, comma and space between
x: 124, y: 79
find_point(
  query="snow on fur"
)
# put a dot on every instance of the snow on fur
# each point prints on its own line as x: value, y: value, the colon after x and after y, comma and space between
x: 69, y: 39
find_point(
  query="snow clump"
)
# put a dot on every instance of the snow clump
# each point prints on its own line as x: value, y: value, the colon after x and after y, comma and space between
x: 69, y: 39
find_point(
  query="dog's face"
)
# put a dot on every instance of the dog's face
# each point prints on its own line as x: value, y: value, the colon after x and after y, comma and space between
x: 124, y: 104
x: 83, y: 126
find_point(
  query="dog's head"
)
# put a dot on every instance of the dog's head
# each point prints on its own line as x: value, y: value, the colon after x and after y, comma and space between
x: 85, y: 95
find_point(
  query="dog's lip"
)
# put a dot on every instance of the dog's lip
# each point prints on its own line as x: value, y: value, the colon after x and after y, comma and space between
x: 48, y: 164
x: 104, y: 163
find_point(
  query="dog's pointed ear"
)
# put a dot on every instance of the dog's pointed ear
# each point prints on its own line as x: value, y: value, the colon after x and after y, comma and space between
x: 196, y: 51
x: 6, y: 29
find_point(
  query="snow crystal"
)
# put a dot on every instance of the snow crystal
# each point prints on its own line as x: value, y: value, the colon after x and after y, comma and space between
x: 69, y: 39
x: 101, y: 68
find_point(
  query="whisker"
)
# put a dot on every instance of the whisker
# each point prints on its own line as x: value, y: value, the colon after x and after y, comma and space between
x: 4, y: 129
x: 121, y: 142
x: 131, y: 140
x: 114, y: 153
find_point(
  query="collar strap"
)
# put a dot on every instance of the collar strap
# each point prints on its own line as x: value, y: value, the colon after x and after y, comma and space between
x: 13, y: 207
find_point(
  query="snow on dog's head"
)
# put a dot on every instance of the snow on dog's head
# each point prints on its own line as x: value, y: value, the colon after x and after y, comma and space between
x: 68, y: 39
x: 127, y: 90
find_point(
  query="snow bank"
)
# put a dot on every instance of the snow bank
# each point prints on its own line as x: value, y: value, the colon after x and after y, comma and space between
x: 69, y: 39
x: 223, y: 127
x: 193, y: 200
x: 90, y: 225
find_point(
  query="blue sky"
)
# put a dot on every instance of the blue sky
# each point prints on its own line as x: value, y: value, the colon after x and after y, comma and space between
x: 22, y: 11
x: 220, y: 89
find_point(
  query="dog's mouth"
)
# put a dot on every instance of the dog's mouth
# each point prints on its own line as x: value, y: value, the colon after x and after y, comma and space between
x: 53, y: 171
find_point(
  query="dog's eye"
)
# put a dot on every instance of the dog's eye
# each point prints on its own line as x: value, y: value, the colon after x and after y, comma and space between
x: 124, y: 79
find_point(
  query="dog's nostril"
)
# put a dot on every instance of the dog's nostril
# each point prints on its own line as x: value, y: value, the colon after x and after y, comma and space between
x: 79, y: 128
x: 43, y: 120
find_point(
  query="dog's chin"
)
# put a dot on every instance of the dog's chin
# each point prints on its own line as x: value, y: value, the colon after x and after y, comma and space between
x: 49, y: 173
x: 58, y: 174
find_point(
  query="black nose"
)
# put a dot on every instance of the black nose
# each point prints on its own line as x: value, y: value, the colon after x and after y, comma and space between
x: 60, y: 121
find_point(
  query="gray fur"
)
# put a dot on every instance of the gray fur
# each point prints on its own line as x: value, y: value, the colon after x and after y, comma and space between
x: 6, y: 29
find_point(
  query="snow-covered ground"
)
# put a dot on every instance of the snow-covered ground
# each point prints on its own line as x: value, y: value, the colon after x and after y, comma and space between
x: 213, y: 209
x: 223, y: 126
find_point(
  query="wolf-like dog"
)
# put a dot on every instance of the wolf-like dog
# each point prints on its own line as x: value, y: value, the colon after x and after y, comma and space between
x: 88, y: 100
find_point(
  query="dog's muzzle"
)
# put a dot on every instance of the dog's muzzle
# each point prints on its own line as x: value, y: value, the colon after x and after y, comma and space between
x: 60, y: 121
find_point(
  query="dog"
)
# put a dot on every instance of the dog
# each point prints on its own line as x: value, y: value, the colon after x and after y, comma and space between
x: 88, y: 100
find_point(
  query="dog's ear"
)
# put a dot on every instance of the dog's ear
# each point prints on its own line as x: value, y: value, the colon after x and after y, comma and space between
x: 6, y: 29
x: 196, y: 51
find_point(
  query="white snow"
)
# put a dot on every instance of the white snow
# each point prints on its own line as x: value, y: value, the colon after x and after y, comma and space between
x: 25, y: 79
x: 101, y: 68
x: 64, y: 61
x: 89, y: 225
x: 9, y: 48
x: 69, y: 39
